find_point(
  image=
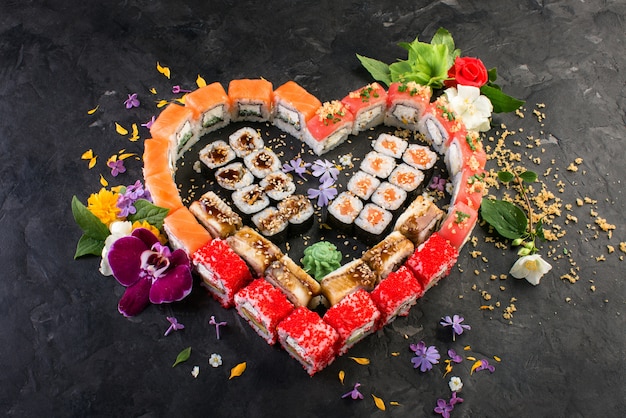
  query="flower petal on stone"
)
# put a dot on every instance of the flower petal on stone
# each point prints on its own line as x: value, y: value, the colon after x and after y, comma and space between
x: 135, y: 298
x: 173, y: 286
x: 125, y: 259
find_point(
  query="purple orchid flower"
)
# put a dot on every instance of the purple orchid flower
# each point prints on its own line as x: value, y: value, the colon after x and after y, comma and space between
x: 212, y: 321
x: 149, y: 271
x: 324, y: 170
x: 297, y: 166
x: 443, y: 408
x: 438, y: 183
x: 425, y: 357
x: 455, y: 323
x: 117, y: 167
x: 454, y: 356
x: 132, y: 101
x: 354, y: 393
x: 174, y: 325
x: 324, y: 194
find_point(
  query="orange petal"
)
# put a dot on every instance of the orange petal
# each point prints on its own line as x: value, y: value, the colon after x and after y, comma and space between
x: 163, y: 70
x: 342, y: 375
x: 380, y: 404
x: 498, y: 359
x: 92, y: 111
x: 92, y: 162
x: 103, y: 181
x: 120, y: 129
x: 153, y: 90
x: 361, y: 360
x: 237, y: 370
x: 200, y: 81
x: 87, y: 155
x: 475, y: 366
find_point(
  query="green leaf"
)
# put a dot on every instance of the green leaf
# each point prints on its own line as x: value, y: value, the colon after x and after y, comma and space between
x: 502, y: 103
x: 443, y: 37
x: 88, y: 246
x: 88, y: 222
x: 182, y: 356
x: 378, y: 69
x: 539, y: 230
x: 505, y: 176
x: 492, y: 74
x: 149, y: 212
x: 508, y: 219
x: 528, y: 176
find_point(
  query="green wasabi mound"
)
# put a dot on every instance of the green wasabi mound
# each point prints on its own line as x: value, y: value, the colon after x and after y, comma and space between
x: 320, y: 259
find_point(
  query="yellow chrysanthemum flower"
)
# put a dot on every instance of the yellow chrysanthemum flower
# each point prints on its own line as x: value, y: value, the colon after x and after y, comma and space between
x: 103, y: 205
x: 144, y: 224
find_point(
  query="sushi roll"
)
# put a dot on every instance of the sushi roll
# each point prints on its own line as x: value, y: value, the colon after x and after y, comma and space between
x: 156, y: 157
x: 293, y: 108
x: 263, y: 306
x: 245, y: 140
x: 297, y: 284
x: 432, y: 260
x: 308, y: 339
x: 271, y: 223
x: 175, y: 123
x: 406, y: 103
x: 163, y: 190
x: 377, y: 164
x: 354, y: 318
x: 234, y: 176
x: 406, y: 177
x: 222, y: 271
x: 343, y: 211
x: 211, y: 107
x: 368, y: 105
x: 251, y: 100
x: 250, y: 199
x: 330, y: 127
x: 362, y: 184
x: 458, y: 224
x: 389, y: 197
x: 469, y: 188
x: 217, y: 154
x: 465, y: 152
x: 278, y: 185
x: 388, y: 254
x: 395, y: 295
x: 439, y: 123
x: 257, y: 251
x: 346, y: 279
x: 298, y: 210
x: 390, y: 145
x: 262, y: 162
x: 184, y: 232
x: 419, y: 220
x: 215, y: 215
x: 373, y: 223
x: 420, y: 157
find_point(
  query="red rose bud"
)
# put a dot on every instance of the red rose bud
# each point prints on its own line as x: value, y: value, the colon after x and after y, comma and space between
x: 467, y: 71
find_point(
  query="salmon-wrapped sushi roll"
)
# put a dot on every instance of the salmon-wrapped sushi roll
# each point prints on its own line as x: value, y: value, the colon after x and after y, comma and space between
x: 368, y: 105
x: 330, y: 127
x: 163, y: 190
x: 439, y: 123
x: 156, y: 157
x: 293, y: 108
x: 406, y: 103
x: 469, y: 188
x: 176, y: 124
x: 465, y: 152
x: 184, y: 231
x: 251, y: 99
x: 211, y: 107
x: 458, y: 224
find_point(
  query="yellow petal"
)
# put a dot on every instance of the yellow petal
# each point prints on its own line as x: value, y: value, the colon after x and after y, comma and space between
x: 87, y: 155
x: 380, y: 404
x: 394, y: 403
x: 181, y: 100
x: 103, y: 181
x: 237, y: 370
x: 162, y: 103
x: 361, y: 360
x: 498, y: 359
x: 475, y: 366
x: 467, y: 348
x: 395, y: 354
x: 92, y: 111
x: 153, y: 90
x: 125, y: 156
x: 200, y: 81
x: 135, y: 133
x: 120, y: 129
x: 163, y: 70
x: 471, y: 358
x: 342, y: 375
x: 448, y: 369
x: 92, y: 162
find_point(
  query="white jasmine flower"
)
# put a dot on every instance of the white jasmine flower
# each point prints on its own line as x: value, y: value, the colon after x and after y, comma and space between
x: 530, y: 267
x: 195, y: 371
x: 118, y: 230
x: 455, y: 384
x: 215, y: 360
x: 473, y: 108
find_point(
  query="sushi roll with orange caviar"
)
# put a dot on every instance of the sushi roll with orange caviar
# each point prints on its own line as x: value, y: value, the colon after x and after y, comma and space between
x: 406, y: 104
x: 251, y: 99
x: 368, y: 105
x: 211, y: 107
x: 330, y: 127
x: 293, y: 107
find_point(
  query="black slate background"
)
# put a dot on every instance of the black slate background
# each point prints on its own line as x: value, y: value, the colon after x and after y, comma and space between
x: 66, y: 351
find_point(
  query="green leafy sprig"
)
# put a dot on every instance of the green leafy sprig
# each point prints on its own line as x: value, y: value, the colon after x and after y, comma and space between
x: 509, y: 220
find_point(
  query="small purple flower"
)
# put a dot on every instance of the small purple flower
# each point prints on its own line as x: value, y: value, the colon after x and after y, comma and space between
x: 438, y: 183
x: 455, y: 399
x: 425, y: 357
x: 116, y: 166
x: 354, y: 393
x: 455, y: 323
x: 212, y: 321
x: 149, y: 123
x: 297, y: 166
x: 149, y: 271
x: 324, y: 170
x: 443, y: 408
x: 178, y: 89
x: 132, y: 101
x: 126, y: 200
x: 454, y: 356
x: 174, y: 325
x: 484, y: 365
x: 324, y: 194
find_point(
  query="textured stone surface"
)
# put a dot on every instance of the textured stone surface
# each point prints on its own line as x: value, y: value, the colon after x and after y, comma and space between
x: 66, y: 351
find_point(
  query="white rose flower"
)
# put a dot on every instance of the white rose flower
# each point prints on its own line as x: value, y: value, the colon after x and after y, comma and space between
x: 530, y: 267
x: 473, y: 108
x: 118, y: 230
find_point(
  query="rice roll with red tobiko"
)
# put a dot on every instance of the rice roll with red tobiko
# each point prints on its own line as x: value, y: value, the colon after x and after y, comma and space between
x: 330, y: 127
x: 390, y: 145
x: 389, y: 196
x: 278, y: 185
x: 362, y: 184
x: 271, y: 223
x: 343, y: 211
x: 297, y: 284
x: 406, y: 104
x: 245, y: 140
x: 432, y: 260
x: 368, y: 105
x: 217, y: 154
x: 373, y: 223
x: 215, y: 215
x: 234, y: 176
x: 377, y: 164
x: 395, y: 295
x: 262, y: 162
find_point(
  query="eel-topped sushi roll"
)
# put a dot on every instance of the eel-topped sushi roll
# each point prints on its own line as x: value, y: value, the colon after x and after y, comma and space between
x: 251, y: 99
x: 330, y: 127
x: 432, y: 260
x: 346, y: 279
x: 388, y: 254
x: 216, y: 215
x: 419, y: 220
x: 211, y: 107
x: 458, y: 224
x: 175, y: 123
x: 308, y: 339
x: 297, y: 284
x: 395, y: 295
x: 257, y: 251
x: 368, y: 105
x: 294, y: 106
x: 216, y: 154
x: 354, y: 318
x: 406, y: 103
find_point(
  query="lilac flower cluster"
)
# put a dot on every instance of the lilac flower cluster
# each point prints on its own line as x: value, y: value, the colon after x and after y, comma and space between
x: 324, y: 170
x: 126, y: 200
